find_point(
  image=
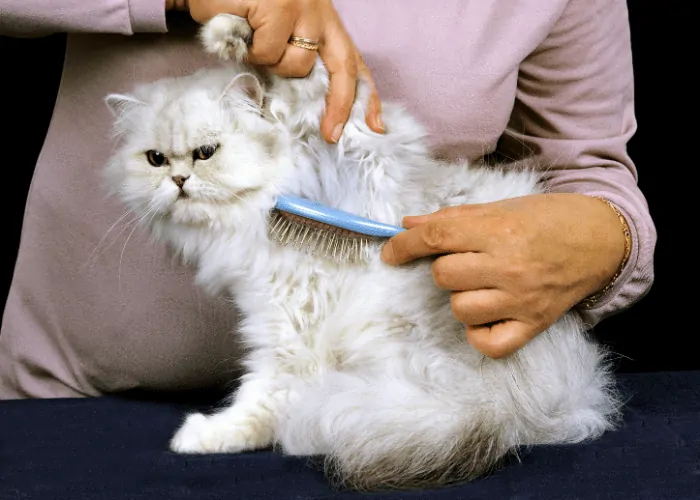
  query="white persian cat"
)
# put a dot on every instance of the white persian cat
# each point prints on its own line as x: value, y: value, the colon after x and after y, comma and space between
x: 361, y: 364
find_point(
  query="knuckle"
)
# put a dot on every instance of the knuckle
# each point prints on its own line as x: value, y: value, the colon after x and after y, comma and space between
x: 441, y: 272
x: 434, y: 236
x: 294, y: 65
x: 460, y: 308
x: 511, y: 228
x: 260, y: 56
x: 455, y: 210
x: 514, y: 272
x: 508, y: 230
x: 539, y: 314
x: 349, y: 64
x: 289, y: 5
x: 456, y: 305
x: 289, y: 72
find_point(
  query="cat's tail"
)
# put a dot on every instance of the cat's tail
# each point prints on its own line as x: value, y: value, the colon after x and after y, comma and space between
x: 376, y: 432
x: 393, y: 435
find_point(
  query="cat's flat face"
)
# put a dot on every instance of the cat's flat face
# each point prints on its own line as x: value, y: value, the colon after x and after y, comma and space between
x: 190, y: 149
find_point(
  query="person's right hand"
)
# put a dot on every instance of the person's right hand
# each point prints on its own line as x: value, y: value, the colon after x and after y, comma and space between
x: 274, y: 22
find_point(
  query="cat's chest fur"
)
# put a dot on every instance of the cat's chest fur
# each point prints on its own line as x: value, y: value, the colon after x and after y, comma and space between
x: 324, y: 315
x: 350, y: 178
x: 319, y: 314
x: 326, y: 307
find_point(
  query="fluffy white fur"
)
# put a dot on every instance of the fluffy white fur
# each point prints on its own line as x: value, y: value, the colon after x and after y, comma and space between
x: 364, y: 365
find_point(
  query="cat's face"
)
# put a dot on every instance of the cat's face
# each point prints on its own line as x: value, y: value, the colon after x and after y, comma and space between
x: 193, y: 147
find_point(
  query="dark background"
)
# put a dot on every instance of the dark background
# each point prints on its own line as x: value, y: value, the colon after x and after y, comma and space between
x: 656, y: 334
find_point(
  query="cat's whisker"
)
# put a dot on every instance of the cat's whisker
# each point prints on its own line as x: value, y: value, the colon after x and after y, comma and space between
x: 96, y: 252
x: 97, y: 246
x: 136, y: 222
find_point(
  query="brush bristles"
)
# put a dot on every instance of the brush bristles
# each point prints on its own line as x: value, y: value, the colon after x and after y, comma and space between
x: 317, y: 238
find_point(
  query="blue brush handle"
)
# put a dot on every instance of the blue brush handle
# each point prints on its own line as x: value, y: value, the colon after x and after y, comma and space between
x: 334, y: 217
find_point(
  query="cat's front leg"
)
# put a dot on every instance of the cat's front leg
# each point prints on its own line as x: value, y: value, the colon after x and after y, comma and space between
x: 227, y: 36
x: 248, y: 424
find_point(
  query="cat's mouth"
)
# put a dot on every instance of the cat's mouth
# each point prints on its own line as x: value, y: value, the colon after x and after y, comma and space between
x: 199, y: 209
x: 230, y: 198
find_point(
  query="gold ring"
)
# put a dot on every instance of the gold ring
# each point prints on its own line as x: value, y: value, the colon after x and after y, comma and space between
x: 303, y: 43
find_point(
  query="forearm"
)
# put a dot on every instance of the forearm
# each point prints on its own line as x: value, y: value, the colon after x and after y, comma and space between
x: 44, y: 17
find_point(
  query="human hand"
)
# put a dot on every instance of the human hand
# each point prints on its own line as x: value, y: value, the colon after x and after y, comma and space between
x: 274, y: 22
x: 176, y: 5
x: 515, y: 266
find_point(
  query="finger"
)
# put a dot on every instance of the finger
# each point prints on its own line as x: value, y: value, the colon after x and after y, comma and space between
x: 374, y: 104
x: 270, y: 37
x: 501, y: 339
x: 297, y: 62
x: 340, y: 62
x: 435, y: 238
x: 464, y: 271
x: 444, y: 213
x: 177, y: 5
x: 201, y: 11
x: 482, y: 307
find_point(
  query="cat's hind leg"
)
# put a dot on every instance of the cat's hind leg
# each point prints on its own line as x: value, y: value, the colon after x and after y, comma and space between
x: 248, y: 424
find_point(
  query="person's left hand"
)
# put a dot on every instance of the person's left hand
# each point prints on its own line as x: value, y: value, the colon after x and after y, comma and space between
x: 515, y: 266
x: 274, y: 21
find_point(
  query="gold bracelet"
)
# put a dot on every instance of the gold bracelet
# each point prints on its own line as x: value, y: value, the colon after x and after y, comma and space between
x: 591, y: 301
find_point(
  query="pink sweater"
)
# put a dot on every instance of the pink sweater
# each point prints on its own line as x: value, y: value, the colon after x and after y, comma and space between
x: 550, y: 80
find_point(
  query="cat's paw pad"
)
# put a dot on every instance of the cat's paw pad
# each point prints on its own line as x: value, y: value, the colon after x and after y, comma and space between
x: 214, y: 434
x: 227, y: 36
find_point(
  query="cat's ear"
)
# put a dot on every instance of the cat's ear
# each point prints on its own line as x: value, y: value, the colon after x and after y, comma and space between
x: 118, y: 103
x: 247, y: 84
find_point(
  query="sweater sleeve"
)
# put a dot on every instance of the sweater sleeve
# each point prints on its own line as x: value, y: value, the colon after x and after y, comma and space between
x: 574, y: 115
x: 30, y: 18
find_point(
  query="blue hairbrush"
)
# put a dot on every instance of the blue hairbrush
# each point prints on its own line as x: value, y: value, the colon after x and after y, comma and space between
x: 317, y: 229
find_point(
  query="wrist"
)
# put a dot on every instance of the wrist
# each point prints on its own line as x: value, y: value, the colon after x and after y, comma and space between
x: 624, y: 237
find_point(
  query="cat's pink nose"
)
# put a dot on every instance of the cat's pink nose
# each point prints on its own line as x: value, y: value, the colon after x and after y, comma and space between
x: 180, y: 180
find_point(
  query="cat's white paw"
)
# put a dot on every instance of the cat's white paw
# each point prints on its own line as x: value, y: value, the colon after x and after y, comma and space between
x: 217, y: 434
x: 227, y: 36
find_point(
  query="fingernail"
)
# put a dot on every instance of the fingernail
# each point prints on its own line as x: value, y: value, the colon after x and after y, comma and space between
x: 388, y: 253
x: 380, y: 123
x: 337, y: 132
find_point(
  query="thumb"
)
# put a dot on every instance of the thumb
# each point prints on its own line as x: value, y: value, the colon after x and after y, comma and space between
x: 501, y: 339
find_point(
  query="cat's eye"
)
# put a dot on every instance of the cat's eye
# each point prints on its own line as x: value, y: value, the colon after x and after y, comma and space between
x: 156, y: 158
x: 204, y: 152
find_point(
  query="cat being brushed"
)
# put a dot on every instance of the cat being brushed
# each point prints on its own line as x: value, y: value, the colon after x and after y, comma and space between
x: 362, y: 364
